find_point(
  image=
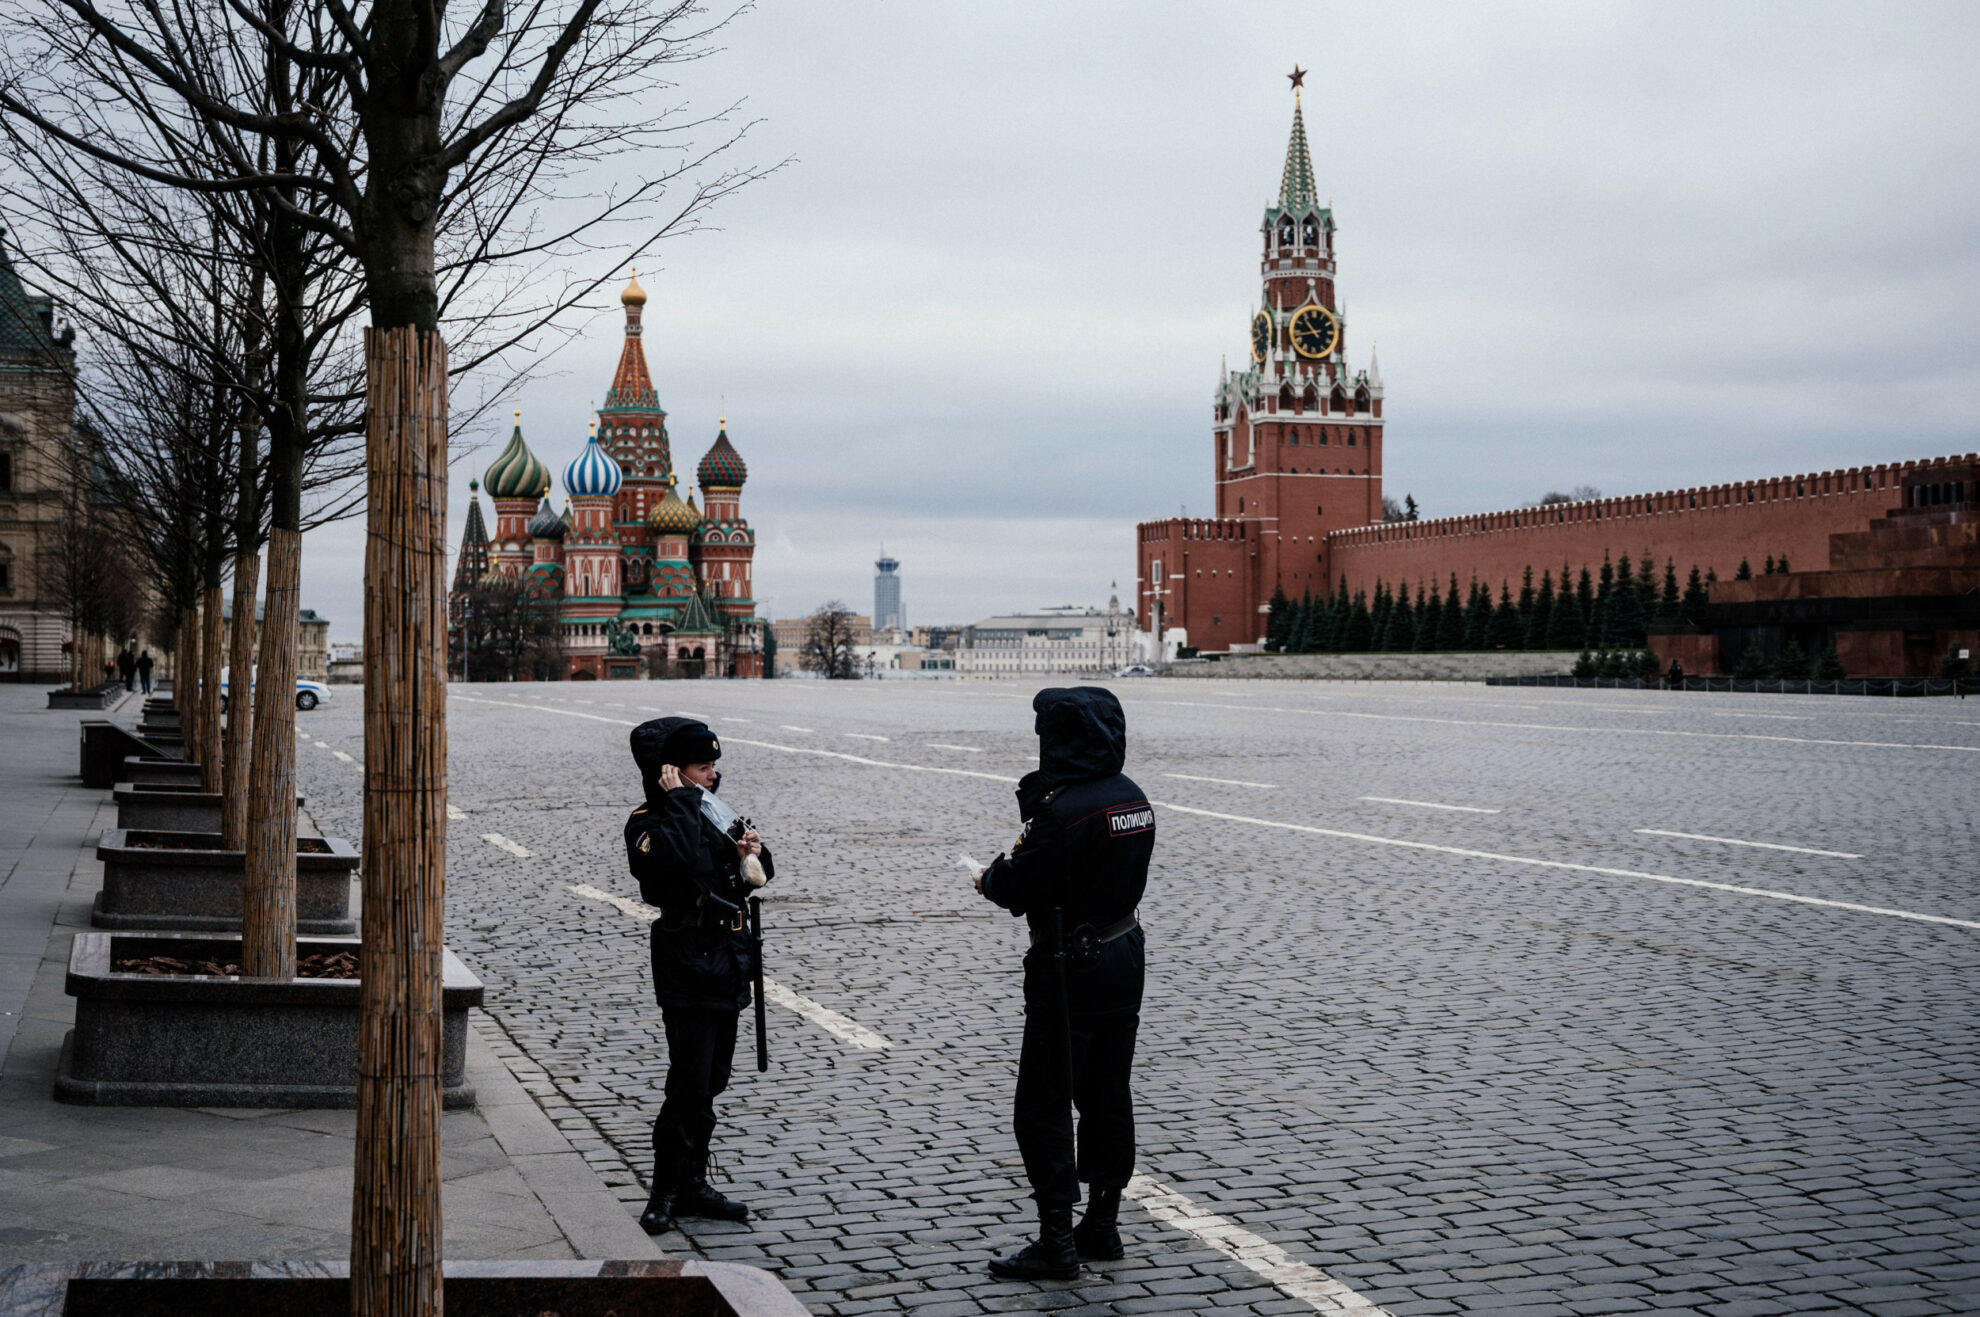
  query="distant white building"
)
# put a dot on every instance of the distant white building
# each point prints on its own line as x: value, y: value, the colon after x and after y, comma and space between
x: 1089, y: 640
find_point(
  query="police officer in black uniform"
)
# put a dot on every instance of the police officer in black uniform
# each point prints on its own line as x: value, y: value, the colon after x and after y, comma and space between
x: 693, y: 870
x: 1088, y: 835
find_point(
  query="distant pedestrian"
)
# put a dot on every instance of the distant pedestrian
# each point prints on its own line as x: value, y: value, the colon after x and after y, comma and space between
x: 1674, y: 679
x: 1078, y: 870
x: 127, y: 667
x: 690, y: 853
x: 144, y: 670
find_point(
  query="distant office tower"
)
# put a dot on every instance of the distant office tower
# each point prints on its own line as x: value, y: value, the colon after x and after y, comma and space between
x: 887, y: 595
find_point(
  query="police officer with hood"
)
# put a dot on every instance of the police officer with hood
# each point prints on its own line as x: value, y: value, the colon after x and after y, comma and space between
x: 1080, y: 865
x: 690, y: 853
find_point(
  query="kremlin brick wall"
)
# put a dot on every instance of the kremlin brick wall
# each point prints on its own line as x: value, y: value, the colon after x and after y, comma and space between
x: 1712, y: 527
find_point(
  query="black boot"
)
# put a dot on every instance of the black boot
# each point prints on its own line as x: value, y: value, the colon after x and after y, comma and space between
x: 699, y: 1198
x: 1049, y: 1257
x: 658, y: 1218
x: 1098, y: 1234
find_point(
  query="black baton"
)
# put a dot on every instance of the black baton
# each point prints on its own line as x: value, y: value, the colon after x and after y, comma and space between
x: 756, y: 940
x: 1065, y: 1000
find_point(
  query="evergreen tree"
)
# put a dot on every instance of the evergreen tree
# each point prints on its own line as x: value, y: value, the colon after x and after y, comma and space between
x: 1507, y: 633
x: 1627, y: 624
x: 1335, y: 639
x: 1781, y: 566
x: 1692, y: 609
x: 1527, y: 600
x: 1768, y: 570
x: 1564, y: 630
x: 1584, y: 666
x: 1478, y: 618
x: 1599, y: 629
x: 1278, y: 620
x: 1542, y: 616
x: 1750, y: 667
x: 1410, y: 512
x: 1745, y: 572
x: 1647, y: 666
x: 1450, y: 628
x: 1829, y: 666
x: 1359, y: 626
x: 1402, y: 622
x: 1378, y: 622
x: 1668, y: 606
x: 1299, y: 624
x: 1792, y: 665
x: 1584, y: 604
x: 1429, y: 619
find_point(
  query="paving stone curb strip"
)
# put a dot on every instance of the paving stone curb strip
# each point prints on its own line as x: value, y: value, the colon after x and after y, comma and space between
x: 82, y: 1183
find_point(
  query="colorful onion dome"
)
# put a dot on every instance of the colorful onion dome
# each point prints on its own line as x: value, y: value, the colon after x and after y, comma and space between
x: 592, y: 472
x: 516, y: 473
x: 546, y: 524
x: 494, y: 576
x: 671, y: 516
x: 722, y: 466
x: 634, y: 294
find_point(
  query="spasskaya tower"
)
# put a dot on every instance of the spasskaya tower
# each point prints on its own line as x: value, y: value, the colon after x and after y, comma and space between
x: 1296, y: 440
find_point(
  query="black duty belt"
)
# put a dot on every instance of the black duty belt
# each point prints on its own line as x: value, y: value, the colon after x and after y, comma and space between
x: 1104, y: 933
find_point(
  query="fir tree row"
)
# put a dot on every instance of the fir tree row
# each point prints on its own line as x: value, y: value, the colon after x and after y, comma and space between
x: 1609, y: 610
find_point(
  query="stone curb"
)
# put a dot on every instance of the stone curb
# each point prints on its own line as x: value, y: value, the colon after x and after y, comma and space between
x: 591, y: 1217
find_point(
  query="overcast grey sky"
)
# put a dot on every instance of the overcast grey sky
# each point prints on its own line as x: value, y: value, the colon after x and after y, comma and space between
x: 980, y: 316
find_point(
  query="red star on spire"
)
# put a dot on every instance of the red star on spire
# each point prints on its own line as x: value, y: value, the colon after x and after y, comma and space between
x: 1297, y: 77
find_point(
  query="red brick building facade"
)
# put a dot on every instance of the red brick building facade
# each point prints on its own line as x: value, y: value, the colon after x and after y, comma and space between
x: 1297, y: 451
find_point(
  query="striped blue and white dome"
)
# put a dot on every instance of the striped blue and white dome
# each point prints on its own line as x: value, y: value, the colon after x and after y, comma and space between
x: 592, y: 472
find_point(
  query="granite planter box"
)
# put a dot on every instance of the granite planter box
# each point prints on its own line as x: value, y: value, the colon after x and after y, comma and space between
x: 169, y: 807
x: 103, y: 747
x: 145, y: 770
x: 202, y: 1040
x: 182, y: 880
x: 322, y: 1289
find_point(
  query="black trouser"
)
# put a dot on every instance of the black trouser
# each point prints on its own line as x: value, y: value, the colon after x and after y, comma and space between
x: 1102, y: 1154
x: 701, y: 1045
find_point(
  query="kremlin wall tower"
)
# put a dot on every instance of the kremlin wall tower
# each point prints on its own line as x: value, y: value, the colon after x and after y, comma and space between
x: 630, y: 579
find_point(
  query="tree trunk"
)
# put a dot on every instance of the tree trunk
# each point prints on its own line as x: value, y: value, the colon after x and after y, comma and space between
x: 268, y: 914
x: 188, y: 677
x: 240, y: 707
x: 395, y: 1207
x: 209, y: 690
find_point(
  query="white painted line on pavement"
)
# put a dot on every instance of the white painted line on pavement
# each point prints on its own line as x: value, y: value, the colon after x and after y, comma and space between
x: 867, y: 736
x: 1758, y: 845
x: 341, y: 755
x: 1784, y: 717
x: 735, y: 720
x: 1298, y: 1280
x: 824, y: 1017
x: 688, y: 713
x: 1431, y: 804
x: 1348, y: 836
x: 456, y: 812
x: 789, y: 728
x: 1223, y: 781
x: 1560, y: 727
x: 1528, y: 860
x: 500, y: 842
x: 943, y: 745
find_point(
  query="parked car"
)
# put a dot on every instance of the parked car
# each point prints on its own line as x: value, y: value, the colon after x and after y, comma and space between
x: 1136, y: 670
x: 309, y: 692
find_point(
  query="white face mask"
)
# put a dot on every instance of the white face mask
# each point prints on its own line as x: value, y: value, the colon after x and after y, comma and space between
x: 716, y: 810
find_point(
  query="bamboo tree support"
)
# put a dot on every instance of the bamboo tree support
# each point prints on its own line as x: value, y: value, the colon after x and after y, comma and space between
x: 187, y: 676
x: 239, y: 749
x: 395, y: 1204
x: 209, y: 690
x: 268, y: 909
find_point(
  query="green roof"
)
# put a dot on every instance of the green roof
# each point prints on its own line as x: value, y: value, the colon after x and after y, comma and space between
x: 1296, y: 190
x: 26, y: 319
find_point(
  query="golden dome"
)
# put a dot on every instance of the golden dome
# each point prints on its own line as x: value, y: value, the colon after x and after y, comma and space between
x: 671, y: 516
x: 634, y: 294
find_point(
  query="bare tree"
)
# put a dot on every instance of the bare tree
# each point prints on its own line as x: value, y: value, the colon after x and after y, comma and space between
x: 1579, y: 494
x: 828, y: 642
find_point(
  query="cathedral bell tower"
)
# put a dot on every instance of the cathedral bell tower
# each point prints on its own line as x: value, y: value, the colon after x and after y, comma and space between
x: 1298, y: 433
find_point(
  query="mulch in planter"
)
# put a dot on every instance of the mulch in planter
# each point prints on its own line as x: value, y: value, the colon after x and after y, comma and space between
x: 201, y: 841
x: 316, y: 965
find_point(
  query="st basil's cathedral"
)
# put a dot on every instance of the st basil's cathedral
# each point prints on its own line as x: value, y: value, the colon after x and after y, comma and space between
x: 644, y: 583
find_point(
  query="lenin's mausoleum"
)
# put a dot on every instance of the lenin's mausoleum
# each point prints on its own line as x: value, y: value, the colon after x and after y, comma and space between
x: 1884, y: 560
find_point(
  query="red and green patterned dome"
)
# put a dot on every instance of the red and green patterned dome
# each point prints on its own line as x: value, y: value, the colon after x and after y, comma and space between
x: 515, y: 472
x: 722, y: 466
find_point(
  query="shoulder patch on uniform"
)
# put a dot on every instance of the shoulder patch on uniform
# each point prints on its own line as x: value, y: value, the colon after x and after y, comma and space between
x: 645, y: 842
x: 1125, y: 819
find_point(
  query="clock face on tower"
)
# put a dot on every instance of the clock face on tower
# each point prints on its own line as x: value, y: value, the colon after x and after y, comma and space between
x: 1314, y: 332
x: 1261, y: 336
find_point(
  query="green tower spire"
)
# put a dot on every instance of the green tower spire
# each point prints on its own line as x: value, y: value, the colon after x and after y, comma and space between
x: 1296, y: 190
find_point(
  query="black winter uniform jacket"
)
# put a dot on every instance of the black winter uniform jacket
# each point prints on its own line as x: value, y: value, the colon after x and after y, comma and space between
x: 689, y: 869
x: 1088, y: 833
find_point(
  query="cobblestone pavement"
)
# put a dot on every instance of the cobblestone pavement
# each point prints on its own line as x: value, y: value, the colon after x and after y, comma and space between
x: 1534, y: 1055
